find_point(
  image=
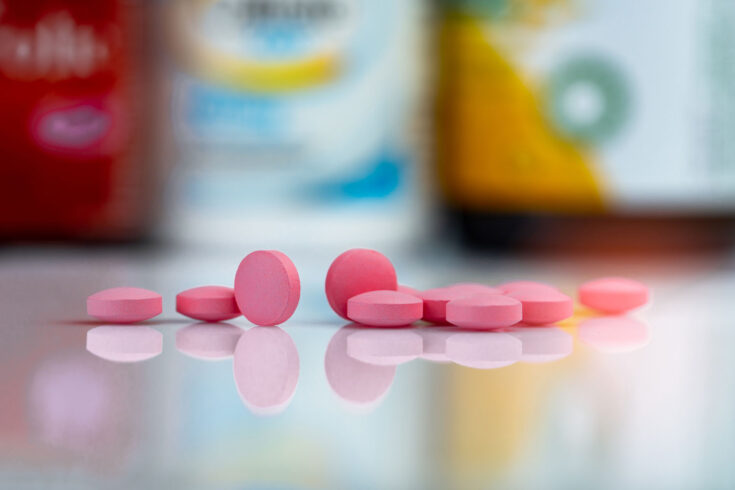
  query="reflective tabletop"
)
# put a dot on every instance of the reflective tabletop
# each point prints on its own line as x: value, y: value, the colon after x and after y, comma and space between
x: 639, y: 400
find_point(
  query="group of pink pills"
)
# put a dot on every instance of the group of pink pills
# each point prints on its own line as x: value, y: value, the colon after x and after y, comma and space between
x: 362, y: 286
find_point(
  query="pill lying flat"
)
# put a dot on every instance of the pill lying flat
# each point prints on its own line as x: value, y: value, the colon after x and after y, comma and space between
x: 613, y: 294
x: 484, y: 311
x: 542, y: 306
x: 209, y: 341
x: 483, y: 350
x: 208, y: 303
x: 124, y: 344
x: 266, y: 369
x: 408, y: 290
x: 267, y: 287
x: 435, y: 303
x: 124, y: 305
x: 354, y: 272
x: 385, y: 308
x: 384, y: 347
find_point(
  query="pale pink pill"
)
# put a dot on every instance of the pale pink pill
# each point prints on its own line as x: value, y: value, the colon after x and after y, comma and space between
x: 385, y: 308
x: 484, y: 311
x: 267, y: 287
x: 614, y: 334
x: 511, y: 286
x: 543, y: 344
x: 543, y: 307
x: 209, y: 341
x: 124, y: 344
x: 355, y: 272
x: 409, y: 290
x: 208, y: 303
x: 435, y: 303
x: 266, y: 369
x: 613, y: 294
x: 351, y: 380
x: 384, y: 347
x: 124, y: 305
x: 484, y: 350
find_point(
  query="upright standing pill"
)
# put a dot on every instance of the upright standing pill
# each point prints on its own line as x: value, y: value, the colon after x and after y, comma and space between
x: 354, y: 272
x: 385, y: 308
x: 267, y: 287
x: 484, y: 311
x: 124, y: 305
x: 541, y: 306
x: 208, y: 303
x: 613, y: 294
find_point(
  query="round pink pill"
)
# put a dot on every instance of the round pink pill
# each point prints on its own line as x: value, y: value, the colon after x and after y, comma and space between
x: 484, y: 311
x: 266, y: 369
x: 541, y: 306
x: 385, y: 308
x: 124, y: 344
x: 124, y: 305
x: 435, y: 303
x: 613, y: 294
x: 208, y: 303
x: 267, y: 287
x: 355, y: 272
x: 408, y: 290
x: 213, y: 341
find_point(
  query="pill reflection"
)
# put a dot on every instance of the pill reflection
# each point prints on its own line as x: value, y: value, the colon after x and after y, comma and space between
x: 124, y: 343
x: 266, y: 369
x: 354, y: 381
x: 484, y: 350
x: 208, y: 341
x: 614, y: 334
x: 383, y: 347
x: 543, y: 344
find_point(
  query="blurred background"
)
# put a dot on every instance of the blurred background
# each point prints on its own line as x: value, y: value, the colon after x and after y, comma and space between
x: 154, y: 143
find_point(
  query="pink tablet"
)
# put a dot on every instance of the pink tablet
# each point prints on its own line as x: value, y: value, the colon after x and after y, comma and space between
x: 124, y: 305
x: 385, y: 308
x: 484, y: 311
x: 351, y: 380
x: 384, y: 347
x: 266, y: 369
x: 267, y: 287
x: 613, y: 294
x: 208, y: 341
x: 208, y: 303
x: 483, y: 350
x: 124, y: 344
x: 435, y: 303
x: 409, y: 290
x: 543, y: 306
x: 354, y: 272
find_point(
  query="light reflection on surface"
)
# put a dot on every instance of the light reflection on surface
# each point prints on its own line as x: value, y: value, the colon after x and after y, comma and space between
x: 124, y: 343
